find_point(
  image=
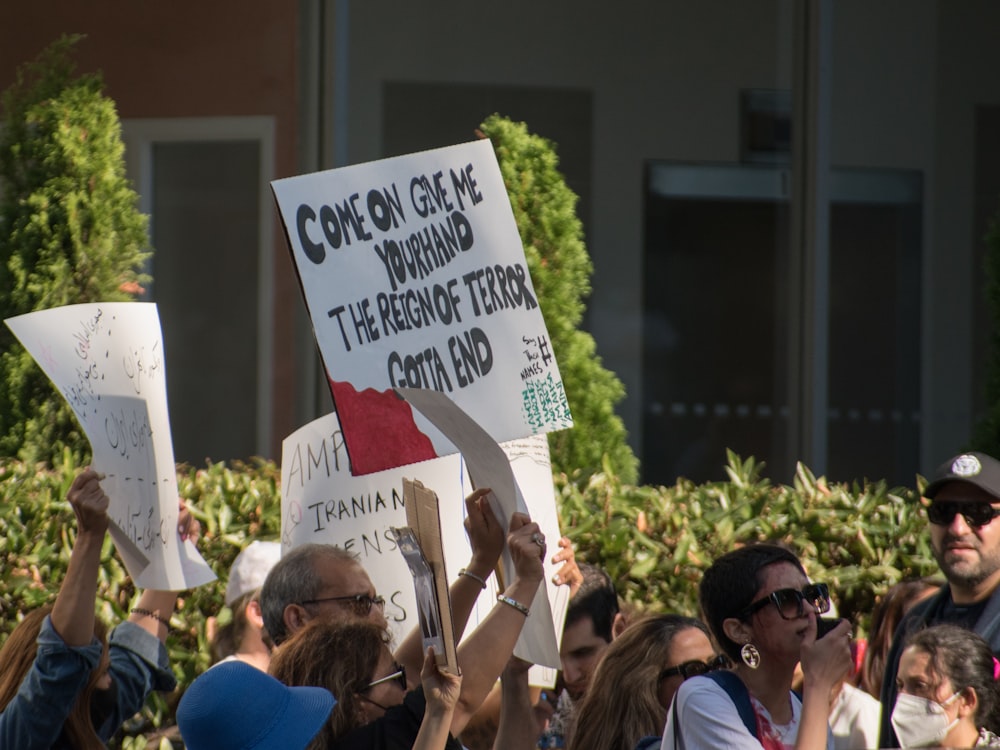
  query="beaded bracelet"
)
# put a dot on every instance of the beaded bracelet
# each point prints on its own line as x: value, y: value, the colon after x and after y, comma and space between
x: 149, y: 613
x: 513, y: 603
x: 473, y: 576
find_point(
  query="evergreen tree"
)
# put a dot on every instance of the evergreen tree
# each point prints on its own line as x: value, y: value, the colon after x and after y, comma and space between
x: 70, y: 232
x: 560, y: 267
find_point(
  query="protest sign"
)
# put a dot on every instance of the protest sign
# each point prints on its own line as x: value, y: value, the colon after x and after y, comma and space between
x: 414, y: 276
x: 106, y: 359
x: 489, y: 466
x: 321, y: 501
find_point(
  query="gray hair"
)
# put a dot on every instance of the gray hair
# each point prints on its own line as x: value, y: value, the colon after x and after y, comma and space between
x: 293, y: 580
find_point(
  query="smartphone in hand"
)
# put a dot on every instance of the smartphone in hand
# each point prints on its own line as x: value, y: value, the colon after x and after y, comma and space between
x: 824, y: 625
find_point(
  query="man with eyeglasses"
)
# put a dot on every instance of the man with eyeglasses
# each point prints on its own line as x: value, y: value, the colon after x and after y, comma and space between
x: 964, y: 496
x: 321, y: 580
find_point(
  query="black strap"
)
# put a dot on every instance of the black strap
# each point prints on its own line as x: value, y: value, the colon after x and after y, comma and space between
x: 739, y: 695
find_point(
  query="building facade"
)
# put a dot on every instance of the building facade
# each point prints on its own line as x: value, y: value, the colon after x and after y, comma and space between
x: 784, y: 200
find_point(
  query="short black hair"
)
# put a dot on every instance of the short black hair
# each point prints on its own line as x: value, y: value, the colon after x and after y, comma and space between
x: 597, y: 599
x: 731, y: 583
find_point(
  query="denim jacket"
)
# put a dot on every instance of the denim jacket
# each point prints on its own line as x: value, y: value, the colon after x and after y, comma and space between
x: 34, y: 719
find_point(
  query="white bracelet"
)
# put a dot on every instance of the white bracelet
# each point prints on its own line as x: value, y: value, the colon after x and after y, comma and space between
x: 513, y: 603
x: 473, y: 576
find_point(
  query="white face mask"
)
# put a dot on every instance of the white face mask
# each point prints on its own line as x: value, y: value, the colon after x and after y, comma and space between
x: 921, y: 722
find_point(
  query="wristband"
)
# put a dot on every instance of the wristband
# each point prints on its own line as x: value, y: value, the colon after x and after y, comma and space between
x: 473, y: 576
x: 513, y: 603
x: 149, y: 613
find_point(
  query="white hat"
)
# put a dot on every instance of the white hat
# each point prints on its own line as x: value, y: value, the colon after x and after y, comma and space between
x: 250, y: 568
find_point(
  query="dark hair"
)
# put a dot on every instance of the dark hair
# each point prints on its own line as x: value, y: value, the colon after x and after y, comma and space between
x: 292, y: 580
x: 16, y: 659
x: 339, y: 656
x: 888, y: 611
x: 597, y: 599
x: 622, y: 704
x: 967, y: 661
x: 731, y: 583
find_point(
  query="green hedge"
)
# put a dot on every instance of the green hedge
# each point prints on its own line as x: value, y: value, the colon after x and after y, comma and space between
x: 654, y: 541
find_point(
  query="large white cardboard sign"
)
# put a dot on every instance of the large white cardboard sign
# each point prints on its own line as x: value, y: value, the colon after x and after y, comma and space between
x: 106, y: 359
x: 414, y: 276
x: 321, y: 501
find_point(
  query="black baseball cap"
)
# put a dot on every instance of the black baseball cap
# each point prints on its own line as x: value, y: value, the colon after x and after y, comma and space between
x: 973, y: 467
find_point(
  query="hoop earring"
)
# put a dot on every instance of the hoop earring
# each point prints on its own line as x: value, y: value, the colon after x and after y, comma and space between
x: 750, y: 655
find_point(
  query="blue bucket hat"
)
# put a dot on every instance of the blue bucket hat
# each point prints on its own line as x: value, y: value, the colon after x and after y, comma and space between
x: 234, y: 706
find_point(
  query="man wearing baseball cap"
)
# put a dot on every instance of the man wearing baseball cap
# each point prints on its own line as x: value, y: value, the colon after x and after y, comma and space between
x: 964, y: 496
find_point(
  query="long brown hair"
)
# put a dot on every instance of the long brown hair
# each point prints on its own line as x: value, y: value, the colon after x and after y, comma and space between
x: 339, y: 656
x: 622, y: 704
x: 888, y: 611
x: 17, y: 656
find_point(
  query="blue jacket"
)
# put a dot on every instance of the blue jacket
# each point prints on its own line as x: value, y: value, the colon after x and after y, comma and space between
x: 33, y: 720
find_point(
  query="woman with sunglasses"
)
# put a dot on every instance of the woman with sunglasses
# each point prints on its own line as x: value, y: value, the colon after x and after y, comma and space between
x: 374, y: 710
x: 333, y: 654
x: 763, y: 612
x: 636, y: 679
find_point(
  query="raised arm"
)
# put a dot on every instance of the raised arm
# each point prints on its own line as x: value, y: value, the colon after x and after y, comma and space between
x: 518, y: 728
x: 153, y: 610
x: 825, y: 663
x: 486, y: 537
x: 73, y: 611
x: 441, y: 691
x: 483, y: 655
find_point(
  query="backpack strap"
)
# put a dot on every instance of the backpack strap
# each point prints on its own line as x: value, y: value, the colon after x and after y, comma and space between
x: 739, y: 695
x: 649, y: 743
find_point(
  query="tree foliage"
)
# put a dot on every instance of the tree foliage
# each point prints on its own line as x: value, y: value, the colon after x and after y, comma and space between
x: 70, y: 232
x: 552, y: 235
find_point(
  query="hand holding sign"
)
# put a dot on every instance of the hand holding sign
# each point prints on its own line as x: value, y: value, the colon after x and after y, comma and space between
x: 485, y: 532
x: 89, y: 503
x: 527, y: 548
x: 106, y: 359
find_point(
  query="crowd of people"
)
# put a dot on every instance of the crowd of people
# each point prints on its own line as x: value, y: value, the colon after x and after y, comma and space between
x: 307, y: 659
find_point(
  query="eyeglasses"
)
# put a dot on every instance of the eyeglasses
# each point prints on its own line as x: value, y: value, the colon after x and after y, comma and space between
x: 360, y: 604
x: 694, y: 668
x: 943, y: 512
x: 399, y: 675
x: 790, y: 602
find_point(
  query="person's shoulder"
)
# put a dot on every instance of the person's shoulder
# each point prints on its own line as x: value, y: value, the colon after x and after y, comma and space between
x: 699, y: 689
x: 856, y: 701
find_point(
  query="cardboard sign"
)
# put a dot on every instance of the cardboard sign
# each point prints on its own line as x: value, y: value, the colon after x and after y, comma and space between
x: 414, y: 276
x: 106, y: 359
x: 422, y: 548
x: 321, y: 501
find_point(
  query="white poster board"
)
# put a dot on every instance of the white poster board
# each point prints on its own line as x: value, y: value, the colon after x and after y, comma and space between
x: 321, y: 501
x: 414, y: 276
x: 106, y: 359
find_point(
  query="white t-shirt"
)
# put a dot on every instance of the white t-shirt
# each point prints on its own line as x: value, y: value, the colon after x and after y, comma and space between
x: 855, y: 719
x: 709, y: 720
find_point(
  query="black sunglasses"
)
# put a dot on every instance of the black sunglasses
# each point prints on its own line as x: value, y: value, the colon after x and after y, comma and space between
x: 360, y: 604
x: 790, y: 602
x: 399, y: 676
x: 691, y: 669
x: 943, y: 512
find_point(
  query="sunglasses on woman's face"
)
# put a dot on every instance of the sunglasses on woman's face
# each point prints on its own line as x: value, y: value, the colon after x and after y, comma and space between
x: 691, y: 669
x: 943, y: 512
x: 790, y: 603
x: 399, y: 676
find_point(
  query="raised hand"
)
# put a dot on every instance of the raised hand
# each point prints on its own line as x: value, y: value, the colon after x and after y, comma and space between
x: 89, y: 503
